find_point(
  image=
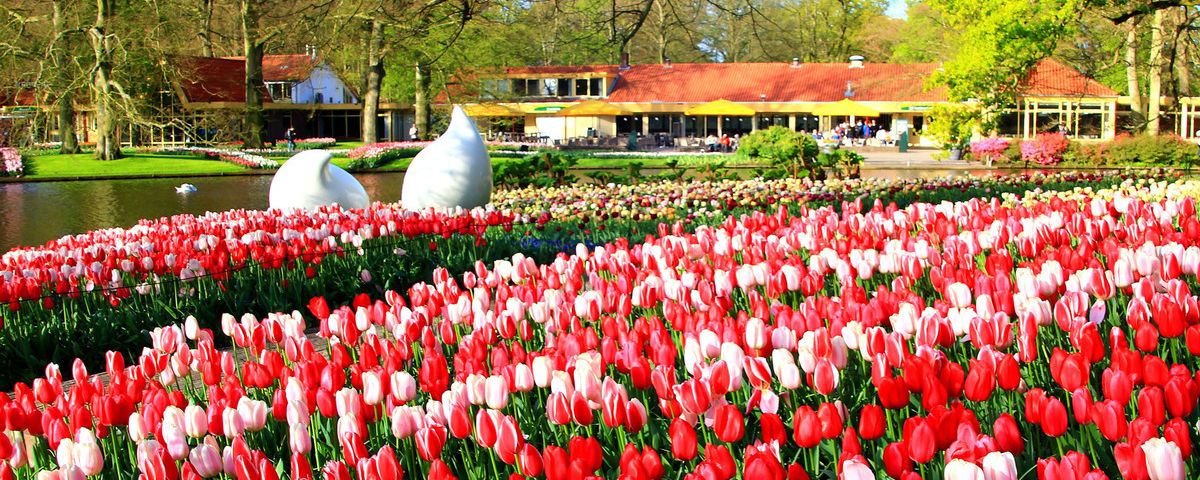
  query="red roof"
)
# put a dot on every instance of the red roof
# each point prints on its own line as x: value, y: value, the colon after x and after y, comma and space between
x: 18, y: 97
x: 1051, y: 78
x: 807, y: 82
x: 780, y: 82
x: 206, y: 79
x: 292, y: 67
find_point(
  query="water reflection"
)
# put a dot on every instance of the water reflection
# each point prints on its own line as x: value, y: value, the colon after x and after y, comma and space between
x: 34, y: 213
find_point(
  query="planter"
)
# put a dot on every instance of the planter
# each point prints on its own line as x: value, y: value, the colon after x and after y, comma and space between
x: 955, y: 154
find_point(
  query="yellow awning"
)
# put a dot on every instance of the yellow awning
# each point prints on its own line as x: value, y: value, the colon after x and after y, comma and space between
x: 845, y: 108
x: 592, y: 108
x: 720, y: 107
x: 490, y: 110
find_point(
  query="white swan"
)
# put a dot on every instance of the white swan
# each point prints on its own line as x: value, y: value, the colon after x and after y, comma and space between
x: 309, y: 180
x: 185, y: 188
x: 453, y: 171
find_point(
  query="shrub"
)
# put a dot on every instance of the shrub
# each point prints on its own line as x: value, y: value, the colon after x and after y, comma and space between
x: 313, y: 143
x: 990, y: 149
x: 12, y: 163
x: 790, y: 152
x: 952, y: 125
x: 1162, y: 150
x: 1045, y: 149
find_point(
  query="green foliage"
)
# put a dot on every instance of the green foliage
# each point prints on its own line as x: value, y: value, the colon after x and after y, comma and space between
x: 841, y: 163
x: 545, y: 169
x: 789, y: 152
x: 1001, y: 40
x: 953, y: 124
x: 1141, y: 150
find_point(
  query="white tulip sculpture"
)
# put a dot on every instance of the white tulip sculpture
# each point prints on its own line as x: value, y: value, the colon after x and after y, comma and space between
x: 308, y: 180
x: 453, y: 171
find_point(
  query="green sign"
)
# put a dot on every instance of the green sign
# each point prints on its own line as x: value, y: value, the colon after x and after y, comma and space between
x: 21, y: 109
x: 547, y: 108
x: 915, y: 108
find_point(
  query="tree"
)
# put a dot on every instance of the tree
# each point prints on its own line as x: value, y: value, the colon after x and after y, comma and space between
x: 1001, y: 41
x: 108, y: 141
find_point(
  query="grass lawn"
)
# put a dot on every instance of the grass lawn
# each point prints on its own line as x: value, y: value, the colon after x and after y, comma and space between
x: 137, y: 164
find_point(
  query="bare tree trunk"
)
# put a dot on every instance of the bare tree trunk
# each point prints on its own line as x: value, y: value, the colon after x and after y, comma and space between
x: 108, y: 144
x: 1131, y: 72
x: 255, y: 120
x: 1155, y: 77
x: 206, y: 30
x: 662, y: 32
x: 373, y: 81
x: 421, y: 99
x: 66, y: 101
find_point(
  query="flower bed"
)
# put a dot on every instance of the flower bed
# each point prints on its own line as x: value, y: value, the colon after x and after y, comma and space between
x: 12, y: 164
x: 245, y: 159
x: 1054, y: 337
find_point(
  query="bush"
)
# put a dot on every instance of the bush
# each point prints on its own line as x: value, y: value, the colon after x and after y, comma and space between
x: 1162, y: 150
x: 953, y: 125
x: 990, y: 149
x: 1045, y: 149
x: 546, y: 169
x: 11, y: 163
x: 791, y: 153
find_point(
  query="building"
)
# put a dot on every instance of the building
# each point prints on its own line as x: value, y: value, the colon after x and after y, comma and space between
x: 299, y: 91
x: 204, y: 99
x: 688, y: 101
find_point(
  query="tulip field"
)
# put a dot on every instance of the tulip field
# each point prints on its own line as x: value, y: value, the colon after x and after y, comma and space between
x: 1001, y: 328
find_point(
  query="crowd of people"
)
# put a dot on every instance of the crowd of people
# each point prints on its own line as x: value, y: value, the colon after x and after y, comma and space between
x: 856, y: 134
x: 724, y: 144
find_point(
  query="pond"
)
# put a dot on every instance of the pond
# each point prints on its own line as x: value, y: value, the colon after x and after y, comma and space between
x: 37, y: 212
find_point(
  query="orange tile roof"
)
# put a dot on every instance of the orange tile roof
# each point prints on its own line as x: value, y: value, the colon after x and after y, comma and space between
x: 780, y: 82
x: 808, y: 82
x: 1051, y: 78
x: 292, y: 67
x: 205, y: 80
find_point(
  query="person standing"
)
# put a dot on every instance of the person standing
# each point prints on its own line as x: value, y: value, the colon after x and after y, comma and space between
x: 412, y: 132
x: 290, y: 136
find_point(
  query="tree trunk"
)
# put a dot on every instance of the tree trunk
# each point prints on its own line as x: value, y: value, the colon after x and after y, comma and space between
x: 662, y: 33
x: 206, y: 30
x: 421, y: 99
x: 255, y: 121
x: 373, y: 81
x: 108, y: 144
x: 1155, y: 77
x: 66, y: 101
x: 1131, y: 72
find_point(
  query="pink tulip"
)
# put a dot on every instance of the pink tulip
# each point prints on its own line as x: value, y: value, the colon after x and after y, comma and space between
x: 959, y: 295
x: 195, y: 421
x: 542, y: 370
x: 959, y: 469
x: 233, y: 424
x: 404, y: 387
x: 253, y: 413
x: 174, y: 438
x: 206, y: 460
x: 372, y: 388
x: 853, y: 469
x: 999, y: 466
x: 1164, y: 461
x: 299, y: 440
x: 496, y: 392
x: 756, y: 337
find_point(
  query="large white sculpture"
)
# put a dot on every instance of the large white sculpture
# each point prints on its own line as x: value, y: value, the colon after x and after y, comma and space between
x: 453, y: 171
x: 309, y: 180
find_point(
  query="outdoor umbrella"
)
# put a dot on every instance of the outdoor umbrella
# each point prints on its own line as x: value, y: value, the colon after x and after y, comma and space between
x: 591, y: 108
x: 845, y: 108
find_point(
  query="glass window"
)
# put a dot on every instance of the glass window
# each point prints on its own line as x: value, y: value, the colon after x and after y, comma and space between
x: 660, y: 123
x: 1091, y: 125
x: 549, y: 87
x: 564, y: 87
x: 596, y: 87
x: 581, y: 87
x: 1009, y: 123
x: 518, y: 87
x: 629, y: 124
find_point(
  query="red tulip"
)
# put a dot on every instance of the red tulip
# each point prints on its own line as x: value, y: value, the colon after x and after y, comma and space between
x: 871, y: 422
x: 806, y: 427
x: 728, y: 423
x: 831, y: 421
x: 683, y: 440
x: 981, y: 380
x: 920, y: 440
x: 896, y: 460
x: 1054, y: 417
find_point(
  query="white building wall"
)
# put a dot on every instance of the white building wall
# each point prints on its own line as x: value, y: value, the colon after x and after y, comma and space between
x: 325, y: 82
